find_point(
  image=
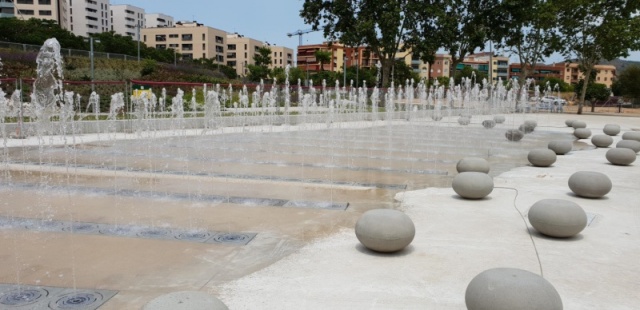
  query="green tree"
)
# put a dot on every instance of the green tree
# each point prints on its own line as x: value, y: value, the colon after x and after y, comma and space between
x: 469, y: 72
x: 553, y: 81
x: 36, y: 31
x: 526, y: 28
x: 260, y: 70
x: 322, y: 57
x: 627, y: 83
x: 592, y: 30
x: 402, y: 72
x: 385, y: 26
x: 595, y: 91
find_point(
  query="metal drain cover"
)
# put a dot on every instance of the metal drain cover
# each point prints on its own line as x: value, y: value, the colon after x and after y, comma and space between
x: 13, y: 296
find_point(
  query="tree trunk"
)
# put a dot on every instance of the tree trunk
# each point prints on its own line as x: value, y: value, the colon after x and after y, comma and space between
x: 583, y: 92
x: 386, y: 72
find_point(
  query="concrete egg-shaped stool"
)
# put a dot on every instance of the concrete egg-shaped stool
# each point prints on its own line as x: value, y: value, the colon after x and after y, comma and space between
x: 611, y: 129
x: 561, y: 147
x: 621, y: 156
x: 526, y: 128
x: 385, y: 230
x: 542, y: 157
x: 601, y: 140
x: 631, y: 135
x: 473, y: 164
x: 510, y: 289
x: 557, y: 218
x: 464, y: 120
x: 629, y: 144
x: 472, y: 185
x: 514, y: 135
x: 590, y: 184
x: 578, y: 124
x: 531, y: 123
x: 436, y: 117
x: 489, y: 123
x: 582, y: 133
x: 499, y: 119
x: 186, y: 300
x: 569, y: 122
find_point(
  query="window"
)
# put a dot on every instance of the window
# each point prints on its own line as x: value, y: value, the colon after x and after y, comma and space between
x: 231, y: 47
x: 219, y: 49
x: 24, y: 2
x: 44, y: 13
x: 44, y: 1
x: 245, y: 48
x: 231, y: 63
x: 187, y: 47
x: 203, y: 37
x: 204, y: 46
x: 187, y: 37
x: 187, y: 56
x: 220, y: 58
x: 161, y: 46
x: 218, y: 39
x: 231, y: 55
x: 25, y: 12
x: 174, y: 45
x: 161, y: 37
x: 173, y: 35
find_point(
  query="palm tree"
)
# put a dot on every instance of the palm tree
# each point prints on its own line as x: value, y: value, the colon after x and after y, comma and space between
x: 322, y: 57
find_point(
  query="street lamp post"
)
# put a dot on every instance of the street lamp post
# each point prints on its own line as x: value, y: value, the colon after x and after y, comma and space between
x: 91, y: 56
x: 344, y: 69
x: 139, y: 42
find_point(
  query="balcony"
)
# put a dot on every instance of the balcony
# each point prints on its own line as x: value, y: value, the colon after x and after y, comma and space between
x: 187, y: 37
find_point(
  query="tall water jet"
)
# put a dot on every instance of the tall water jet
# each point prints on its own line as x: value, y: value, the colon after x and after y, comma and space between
x: 47, y: 89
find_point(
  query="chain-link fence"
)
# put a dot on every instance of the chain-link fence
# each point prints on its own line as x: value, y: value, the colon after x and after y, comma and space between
x: 66, y: 51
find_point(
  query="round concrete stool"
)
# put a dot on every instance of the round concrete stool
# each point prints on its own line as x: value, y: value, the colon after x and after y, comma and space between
x: 473, y: 164
x: 557, y: 218
x: 611, y: 129
x: 489, y: 123
x: 464, y: 120
x: 186, y: 300
x: 509, y: 289
x: 385, y: 230
x: 436, y: 117
x: 631, y: 135
x: 542, y: 157
x: 601, y: 140
x: 527, y: 128
x: 561, y: 147
x: 621, y: 156
x: 569, y: 122
x: 582, y: 133
x: 590, y: 184
x: 499, y: 119
x: 514, y: 135
x: 578, y: 124
x: 472, y: 185
x: 531, y: 123
x: 629, y: 144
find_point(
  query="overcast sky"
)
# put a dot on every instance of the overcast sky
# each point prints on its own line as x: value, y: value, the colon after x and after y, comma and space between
x: 267, y: 21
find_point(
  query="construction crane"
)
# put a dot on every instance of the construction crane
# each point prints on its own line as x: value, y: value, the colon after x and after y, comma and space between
x: 299, y: 33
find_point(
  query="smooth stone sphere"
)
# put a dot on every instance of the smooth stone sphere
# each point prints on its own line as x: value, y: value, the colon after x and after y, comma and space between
x: 385, y: 230
x: 631, y: 135
x: 542, y: 157
x: 590, y: 184
x: 436, y: 117
x: 621, y: 156
x: 569, y: 122
x: 578, y: 124
x: 629, y: 144
x: 186, y: 300
x: 472, y: 185
x: 464, y: 120
x: 509, y: 289
x: 527, y: 128
x: 489, y: 123
x: 514, y: 135
x: 601, y: 140
x: 611, y: 129
x: 499, y: 119
x: 473, y: 164
x: 531, y: 123
x: 557, y: 218
x: 561, y: 147
x: 582, y: 133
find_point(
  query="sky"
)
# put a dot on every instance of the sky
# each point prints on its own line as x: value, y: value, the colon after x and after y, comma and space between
x: 266, y: 21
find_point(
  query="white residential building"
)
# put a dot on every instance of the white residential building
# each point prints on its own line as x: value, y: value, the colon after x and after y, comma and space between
x: 42, y: 9
x: 88, y: 16
x: 125, y: 20
x: 158, y: 20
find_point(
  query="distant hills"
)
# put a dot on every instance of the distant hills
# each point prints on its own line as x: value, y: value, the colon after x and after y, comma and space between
x: 620, y: 64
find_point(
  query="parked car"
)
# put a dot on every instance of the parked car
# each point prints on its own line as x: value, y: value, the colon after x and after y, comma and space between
x: 551, y: 103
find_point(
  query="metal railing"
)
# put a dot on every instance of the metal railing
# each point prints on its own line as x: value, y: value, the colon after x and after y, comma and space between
x: 66, y: 51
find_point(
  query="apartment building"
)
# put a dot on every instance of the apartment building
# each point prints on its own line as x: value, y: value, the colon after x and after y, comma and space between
x: 158, y: 20
x: 56, y: 10
x: 605, y: 74
x: 240, y: 52
x: 87, y: 17
x: 280, y: 56
x: 126, y: 20
x: 412, y: 60
x: 497, y: 65
x: 340, y: 54
x: 191, y: 39
x: 441, y: 66
x: 540, y: 71
x: 7, y: 9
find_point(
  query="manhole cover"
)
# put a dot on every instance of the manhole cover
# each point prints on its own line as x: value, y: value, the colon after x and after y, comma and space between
x: 79, y: 300
x: 22, y: 297
x: 232, y: 238
x: 194, y: 236
x: 118, y: 231
x: 154, y: 233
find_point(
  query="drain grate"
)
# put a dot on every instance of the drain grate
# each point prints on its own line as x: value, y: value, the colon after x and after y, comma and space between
x: 129, y: 231
x: 13, y: 296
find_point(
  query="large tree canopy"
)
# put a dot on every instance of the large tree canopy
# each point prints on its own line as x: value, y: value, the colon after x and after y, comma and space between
x: 385, y: 26
x: 592, y: 30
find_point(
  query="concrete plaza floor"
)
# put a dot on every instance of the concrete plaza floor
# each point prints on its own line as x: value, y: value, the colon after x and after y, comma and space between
x: 306, y: 256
